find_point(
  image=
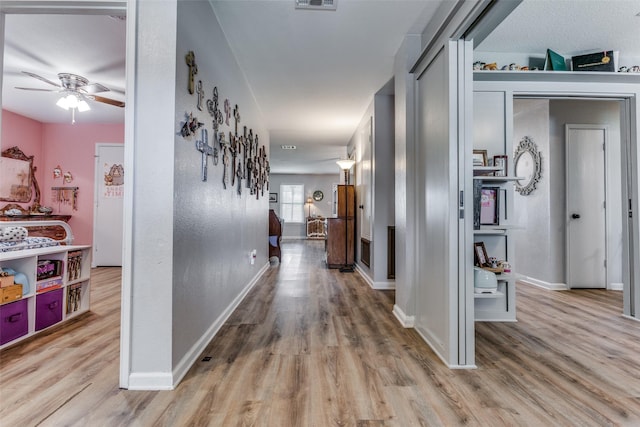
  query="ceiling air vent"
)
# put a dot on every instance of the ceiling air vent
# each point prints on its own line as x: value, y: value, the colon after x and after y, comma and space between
x: 288, y: 147
x: 317, y: 4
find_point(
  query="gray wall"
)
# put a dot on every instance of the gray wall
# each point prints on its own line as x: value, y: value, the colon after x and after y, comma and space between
x: 191, y: 238
x: 541, y: 245
x: 311, y: 183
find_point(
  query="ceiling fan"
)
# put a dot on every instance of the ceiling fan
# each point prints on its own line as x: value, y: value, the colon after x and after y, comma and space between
x: 75, y: 91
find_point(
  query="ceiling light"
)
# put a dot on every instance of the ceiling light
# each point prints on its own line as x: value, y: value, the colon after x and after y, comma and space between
x: 73, y: 101
x: 317, y: 4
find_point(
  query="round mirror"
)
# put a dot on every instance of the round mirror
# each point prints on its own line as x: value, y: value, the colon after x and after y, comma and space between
x: 528, y: 165
x: 317, y: 195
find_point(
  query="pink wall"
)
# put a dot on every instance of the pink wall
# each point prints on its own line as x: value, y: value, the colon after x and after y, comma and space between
x: 72, y: 147
x: 26, y: 134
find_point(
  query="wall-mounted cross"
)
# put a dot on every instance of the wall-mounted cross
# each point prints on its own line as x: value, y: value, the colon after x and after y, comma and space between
x: 200, y: 93
x: 206, y: 150
x: 193, y: 69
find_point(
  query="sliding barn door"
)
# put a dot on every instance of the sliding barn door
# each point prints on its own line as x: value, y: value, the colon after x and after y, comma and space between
x: 444, y: 307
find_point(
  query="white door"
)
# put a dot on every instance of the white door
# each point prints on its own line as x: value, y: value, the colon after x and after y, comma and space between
x: 586, y: 226
x: 108, y: 205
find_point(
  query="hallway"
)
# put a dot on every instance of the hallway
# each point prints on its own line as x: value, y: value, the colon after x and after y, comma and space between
x: 316, y: 347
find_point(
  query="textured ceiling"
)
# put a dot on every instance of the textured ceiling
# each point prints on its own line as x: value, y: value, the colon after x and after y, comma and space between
x: 569, y: 27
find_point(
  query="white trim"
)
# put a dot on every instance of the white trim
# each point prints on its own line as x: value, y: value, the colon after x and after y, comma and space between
x: 150, y: 381
x: 378, y: 286
x: 542, y: 284
x: 405, y: 321
x: 434, y: 349
x: 631, y: 318
x: 615, y: 286
x: 192, y: 355
x: 127, y: 219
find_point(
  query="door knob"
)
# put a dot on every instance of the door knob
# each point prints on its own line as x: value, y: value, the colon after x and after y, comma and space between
x: 575, y: 216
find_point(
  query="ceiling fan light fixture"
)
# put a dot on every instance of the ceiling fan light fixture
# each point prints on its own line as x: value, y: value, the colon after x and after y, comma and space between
x: 72, y: 101
x: 83, y: 106
x: 63, y: 103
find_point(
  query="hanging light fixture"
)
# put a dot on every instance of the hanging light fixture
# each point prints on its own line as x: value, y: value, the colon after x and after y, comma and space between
x: 73, y: 101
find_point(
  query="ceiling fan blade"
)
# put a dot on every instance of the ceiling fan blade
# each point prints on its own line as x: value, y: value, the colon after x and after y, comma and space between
x: 39, y: 90
x: 35, y: 76
x: 108, y: 101
x: 95, y: 88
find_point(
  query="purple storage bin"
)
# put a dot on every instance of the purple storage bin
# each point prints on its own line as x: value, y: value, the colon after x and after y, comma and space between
x: 14, y: 321
x: 48, y: 309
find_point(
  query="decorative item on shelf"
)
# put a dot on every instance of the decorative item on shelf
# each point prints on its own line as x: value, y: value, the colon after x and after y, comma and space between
x: 489, y: 206
x: 478, y: 65
x: 480, y: 158
x: 57, y: 172
x: 193, y: 70
x: 492, y: 66
x: 484, y: 281
x: 477, y: 195
x: 554, y: 61
x: 482, y: 260
x: 501, y: 161
x: 67, y: 177
x: 65, y: 196
x: 309, y: 203
x: 528, y: 165
x: 74, y: 264
x: 603, y: 61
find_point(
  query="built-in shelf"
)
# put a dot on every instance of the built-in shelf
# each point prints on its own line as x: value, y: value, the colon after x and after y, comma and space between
x: 496, y: 294
x: 556, y: 76
x: 491, y: 178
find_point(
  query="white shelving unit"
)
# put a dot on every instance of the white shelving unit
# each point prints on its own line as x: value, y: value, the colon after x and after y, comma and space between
x: 59, y: 298
x: 501, y: 305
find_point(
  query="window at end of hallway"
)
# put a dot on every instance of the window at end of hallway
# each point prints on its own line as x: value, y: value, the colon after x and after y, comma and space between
x: 292, y: 202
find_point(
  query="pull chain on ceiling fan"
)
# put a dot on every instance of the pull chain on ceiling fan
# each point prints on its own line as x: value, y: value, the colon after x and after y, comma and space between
x: 75, y: 90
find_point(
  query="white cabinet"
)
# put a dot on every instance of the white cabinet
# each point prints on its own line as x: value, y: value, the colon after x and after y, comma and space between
x: 501, y: 305
x: 58, y: 290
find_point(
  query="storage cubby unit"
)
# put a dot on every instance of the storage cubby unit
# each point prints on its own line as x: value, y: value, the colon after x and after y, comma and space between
x: 59, y: 288
x: 499, y: 306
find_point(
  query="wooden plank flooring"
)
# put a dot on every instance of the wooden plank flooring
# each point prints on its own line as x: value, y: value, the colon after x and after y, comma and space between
x: 315, y: 347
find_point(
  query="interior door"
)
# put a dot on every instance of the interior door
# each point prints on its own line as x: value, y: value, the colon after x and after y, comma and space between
x: 108, y: 205
x: 444, y: 305
x: 586, y: 208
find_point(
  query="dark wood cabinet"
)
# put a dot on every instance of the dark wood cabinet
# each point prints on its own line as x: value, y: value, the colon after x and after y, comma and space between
x: 341, y: 230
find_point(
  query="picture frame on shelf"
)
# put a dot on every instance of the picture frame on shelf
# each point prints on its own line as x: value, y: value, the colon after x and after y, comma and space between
x: 480, y: 158
x: 490, y: 206
x: 501, y: 161
x: 480, y: 257
x: 273, y: 197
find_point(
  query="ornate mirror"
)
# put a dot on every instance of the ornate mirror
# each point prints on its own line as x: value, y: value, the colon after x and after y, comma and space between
x: 528, y: 165
x: 17, y: 177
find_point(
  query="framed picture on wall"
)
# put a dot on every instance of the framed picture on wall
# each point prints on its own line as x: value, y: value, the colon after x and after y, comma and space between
x: 489, y: 207
x: 273, y: 197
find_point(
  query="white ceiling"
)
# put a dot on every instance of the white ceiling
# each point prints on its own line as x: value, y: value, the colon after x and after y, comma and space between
x: 91, y: 46
x: 313, y: 73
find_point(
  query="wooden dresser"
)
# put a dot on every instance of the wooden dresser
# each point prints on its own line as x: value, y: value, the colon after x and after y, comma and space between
x: 341, y: 230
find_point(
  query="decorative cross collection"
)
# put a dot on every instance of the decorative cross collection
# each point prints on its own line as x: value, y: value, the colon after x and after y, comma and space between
x: 248, y: 160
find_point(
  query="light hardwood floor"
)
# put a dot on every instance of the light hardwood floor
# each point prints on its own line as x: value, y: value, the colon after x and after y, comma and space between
x: 315, y: 347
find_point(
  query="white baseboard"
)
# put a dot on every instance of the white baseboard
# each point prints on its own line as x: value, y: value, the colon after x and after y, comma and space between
x: 405, y: 321
x: 378, y: 286
x: 430, y: 340
x: 616, y: 287
x: 543, y: 284
x: 150, y: 381
x: 630, y: 317
x: 192, y: 355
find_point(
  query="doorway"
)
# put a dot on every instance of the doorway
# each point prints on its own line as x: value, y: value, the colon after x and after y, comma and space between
x: 544, y: 218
